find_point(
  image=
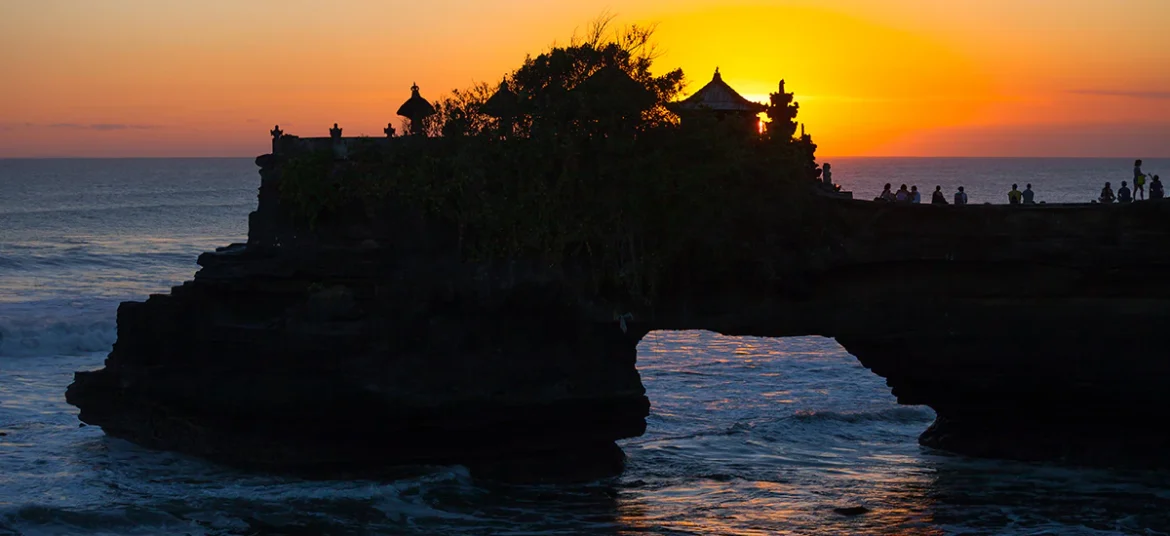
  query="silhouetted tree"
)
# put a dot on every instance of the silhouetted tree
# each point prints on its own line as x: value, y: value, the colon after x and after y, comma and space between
x: 595, y: 172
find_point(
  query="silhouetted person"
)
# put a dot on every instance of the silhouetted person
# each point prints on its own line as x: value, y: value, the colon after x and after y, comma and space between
x: 937, y: 198
x: 1123, y: 194
x: 827, y: 175
x: 1139, y: 181
x: 1015, y: 195
x: 1156, y: 191
x: 276, y: 134
x: 1106, y: 194
x: 887, y: 195
x: 1029, y: 195
x: 915, y: 197
x: 960, y: 197
x: 903, y: 195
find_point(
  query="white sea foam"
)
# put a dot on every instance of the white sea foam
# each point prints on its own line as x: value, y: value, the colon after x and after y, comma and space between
x: 56, y: 327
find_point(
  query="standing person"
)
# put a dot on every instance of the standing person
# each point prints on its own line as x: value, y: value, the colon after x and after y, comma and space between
x: 1123, y: 194
x: 903, y: 195
x: 937, y: 198
x: 827, y: 174
x: 1106, y: 194
x: 1029, y: 195
x: 1015, y: 195
x: 1156, y: 191
x: 915, y: 197
x: 1139, y: 186
x: 960, y: 197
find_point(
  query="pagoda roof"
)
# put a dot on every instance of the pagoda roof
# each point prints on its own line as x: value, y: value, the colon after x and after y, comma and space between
x: 612, y: 86
x: 717, y: 95
x: 416, y: 107
x: 503, y: 104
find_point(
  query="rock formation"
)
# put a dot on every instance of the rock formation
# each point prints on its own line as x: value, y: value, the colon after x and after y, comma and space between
x: 366, y: 341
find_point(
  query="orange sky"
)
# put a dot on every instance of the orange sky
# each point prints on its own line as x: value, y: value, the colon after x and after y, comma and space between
x: 874, y: 77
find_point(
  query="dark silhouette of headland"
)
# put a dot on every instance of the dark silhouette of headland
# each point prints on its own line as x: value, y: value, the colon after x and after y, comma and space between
x: 471, y: 289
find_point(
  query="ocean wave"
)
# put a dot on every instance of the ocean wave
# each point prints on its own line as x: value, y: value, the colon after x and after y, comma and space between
x: 67, y: 332
x: 44, y: 519
x: 901, y: 415
x: 249, y: 204
x: 96, y: 257
x: 82, y: 257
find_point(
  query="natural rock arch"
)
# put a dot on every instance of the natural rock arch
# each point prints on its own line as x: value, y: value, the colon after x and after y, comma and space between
x: 366, y: 342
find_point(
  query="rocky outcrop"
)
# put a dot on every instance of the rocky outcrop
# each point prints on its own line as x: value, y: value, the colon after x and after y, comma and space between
x: 367, y: 341
x: 369, y: 345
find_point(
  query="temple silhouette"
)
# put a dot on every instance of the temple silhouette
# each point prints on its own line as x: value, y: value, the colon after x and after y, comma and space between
x: 721, y: 100
x: 623, y: 96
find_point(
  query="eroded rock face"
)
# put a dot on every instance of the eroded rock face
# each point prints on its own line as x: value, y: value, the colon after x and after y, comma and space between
x: 1034, y: 332
x: 257, y: 363
x: 369, y: 348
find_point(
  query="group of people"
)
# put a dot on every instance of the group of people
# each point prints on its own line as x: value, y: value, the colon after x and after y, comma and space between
x: 1124, y: 195
x: 912, y: 196
x: 1028, y: 197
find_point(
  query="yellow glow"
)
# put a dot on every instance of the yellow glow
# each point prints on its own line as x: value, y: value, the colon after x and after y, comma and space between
x: 858, y: 83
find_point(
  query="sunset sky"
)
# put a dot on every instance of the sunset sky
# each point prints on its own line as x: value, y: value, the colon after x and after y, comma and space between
x: 873, y: 77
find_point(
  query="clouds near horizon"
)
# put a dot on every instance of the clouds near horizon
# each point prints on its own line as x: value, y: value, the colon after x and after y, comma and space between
x: 1156, y: 95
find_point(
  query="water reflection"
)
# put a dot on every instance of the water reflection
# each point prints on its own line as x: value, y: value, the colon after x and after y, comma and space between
x: 746, y: 436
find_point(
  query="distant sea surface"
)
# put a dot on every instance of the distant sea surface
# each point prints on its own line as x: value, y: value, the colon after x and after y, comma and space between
x: 746, y: 435
x: 988, y: 180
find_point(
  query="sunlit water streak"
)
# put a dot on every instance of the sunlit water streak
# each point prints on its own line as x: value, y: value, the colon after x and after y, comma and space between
x: 746, y: 435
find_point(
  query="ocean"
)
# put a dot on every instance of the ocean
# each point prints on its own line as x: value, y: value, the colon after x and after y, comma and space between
x: 746, y: 435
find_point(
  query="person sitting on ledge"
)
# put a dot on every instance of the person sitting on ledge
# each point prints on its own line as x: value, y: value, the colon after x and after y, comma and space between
x: 886, y: 194
x: 1014, y: 196
x: 937, y: 198
x: 960, y: 197
x: 915, y: 196
x: 903, y: 195
x: 1106, y: 194
x: 1029, y: 195
x: 1123, y: 194
x: 1156, y: 191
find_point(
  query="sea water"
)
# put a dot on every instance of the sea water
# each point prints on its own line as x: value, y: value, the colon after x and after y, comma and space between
x: 745, y: 436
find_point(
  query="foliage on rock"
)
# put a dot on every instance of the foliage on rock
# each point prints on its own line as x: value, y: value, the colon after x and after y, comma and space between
x: 576, y: 178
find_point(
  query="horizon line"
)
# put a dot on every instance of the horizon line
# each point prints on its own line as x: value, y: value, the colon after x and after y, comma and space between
x: 819, y: 159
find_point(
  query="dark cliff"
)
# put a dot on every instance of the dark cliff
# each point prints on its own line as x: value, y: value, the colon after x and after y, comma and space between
x: 366, y: 340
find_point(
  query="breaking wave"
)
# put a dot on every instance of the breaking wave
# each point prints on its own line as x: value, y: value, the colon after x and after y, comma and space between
x: 57, y: 329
